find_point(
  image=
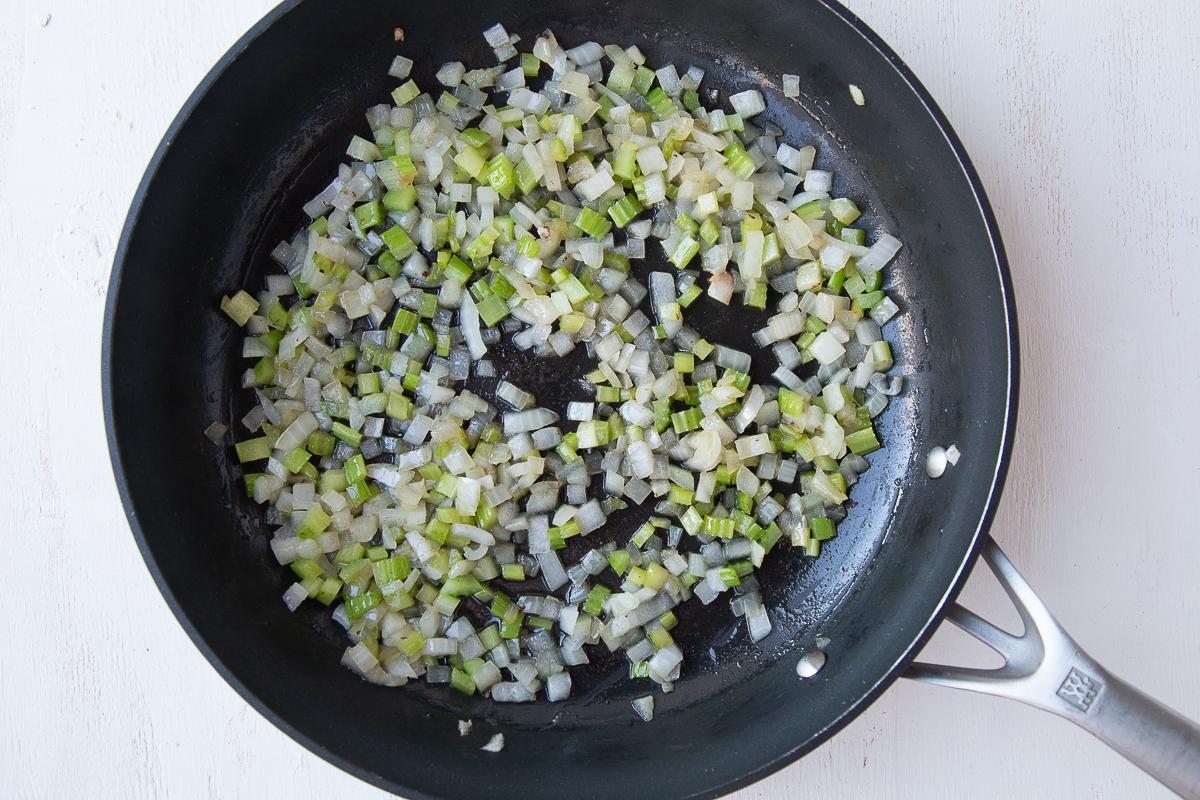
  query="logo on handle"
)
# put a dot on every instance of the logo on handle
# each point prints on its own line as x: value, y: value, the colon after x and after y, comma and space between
x: 1079, y: 690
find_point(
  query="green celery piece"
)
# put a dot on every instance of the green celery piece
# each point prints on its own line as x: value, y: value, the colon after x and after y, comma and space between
x: 739, y: 160
x: 462, y: 682
x: 253, y: 449
x: 411, y: 643
x: 315, y: 522
x: 863, y: 441
x: 462, y: 586
x: 525, y: 177
x: 810, y: 210
x: 401, y: 199
x: 347, y: 434
x: 359, y: 492
x: 356, y: 469
x: 492, y: 310
x: 348, y: 554
x: 643, y: 79
x: 370, y: 214
x: 823, y: 529
x: 528, y: 246
x: 398, y: 242
x: 844, y: 210
x: 620, y: 81
x: 836, y: 281
x: 472, y: 161
x: 501, y: 175
x: 391, y: 569
x: 854, y: 236
x: 475, y: 137
x: 624, y: 210
x: 405, y: 93
x: 330, y: 589
x: 685, y: 251
x: 296, y: 459
x: 596, y: 599
x: 869, y: 300
x: 661, y: 103
x: 593, y: 224
x: 306, y: 569
x: 625, y: 161
x: 399, y: 406
x: 756, y: 296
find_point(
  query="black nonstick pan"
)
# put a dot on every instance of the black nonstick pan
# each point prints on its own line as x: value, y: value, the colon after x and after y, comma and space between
x: 264, y: 132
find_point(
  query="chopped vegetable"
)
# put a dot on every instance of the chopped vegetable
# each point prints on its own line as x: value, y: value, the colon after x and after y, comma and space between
x: 416, y: 507
x: 216, y: 432
x: 644, y: 706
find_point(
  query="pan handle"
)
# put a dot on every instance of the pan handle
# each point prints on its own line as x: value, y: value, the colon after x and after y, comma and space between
x: 1045, y: 668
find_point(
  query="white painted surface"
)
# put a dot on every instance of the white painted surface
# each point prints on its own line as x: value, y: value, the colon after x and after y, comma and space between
x: 1080, y: 118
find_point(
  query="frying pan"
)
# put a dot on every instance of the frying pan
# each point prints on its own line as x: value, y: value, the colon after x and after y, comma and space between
x: 265, y: 131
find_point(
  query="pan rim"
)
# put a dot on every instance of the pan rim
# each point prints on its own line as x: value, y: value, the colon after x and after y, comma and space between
x: 979, y: 536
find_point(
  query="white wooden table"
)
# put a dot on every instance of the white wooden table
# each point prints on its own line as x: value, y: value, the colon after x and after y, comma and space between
x: 1080, y: 117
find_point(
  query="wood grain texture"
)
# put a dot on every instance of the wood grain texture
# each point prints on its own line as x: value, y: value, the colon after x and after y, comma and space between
x: 1080, y: 118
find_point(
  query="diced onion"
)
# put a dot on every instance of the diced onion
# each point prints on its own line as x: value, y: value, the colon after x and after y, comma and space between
x: 494, y: 211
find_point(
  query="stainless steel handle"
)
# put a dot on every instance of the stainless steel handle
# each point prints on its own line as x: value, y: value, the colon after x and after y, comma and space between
x: 1045, y: 668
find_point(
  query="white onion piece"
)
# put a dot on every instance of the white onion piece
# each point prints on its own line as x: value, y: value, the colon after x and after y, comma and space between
x: 720, y: 287
x: 664, y: 661
x: 586, y: 53
x: 531, y: 420
x: 883, y: 251
x: 496, y: 36
x: 641, y: 459
x: 496, y: 743
x: 644, y: 706
x: 759, y: 626
x: 469, y: 323
x: 636, y: 414
x: 818, y: 180
x: 706, y: 451
x: 552, y: 570
x: 729, y: 358
x: 298, y: 432
x: 295, y: 595
x: 748, y: 103
x: 662, y: 288
x: 826, y: 349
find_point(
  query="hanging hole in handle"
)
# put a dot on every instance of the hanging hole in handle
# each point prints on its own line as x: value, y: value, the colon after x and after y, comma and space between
x: 954, y: 647
x: 951, y: 646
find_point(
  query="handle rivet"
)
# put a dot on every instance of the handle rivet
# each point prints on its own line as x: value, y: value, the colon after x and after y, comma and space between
x: 810, y: 663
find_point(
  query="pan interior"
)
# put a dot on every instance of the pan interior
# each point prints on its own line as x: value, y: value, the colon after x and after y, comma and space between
x: 266, y: 132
